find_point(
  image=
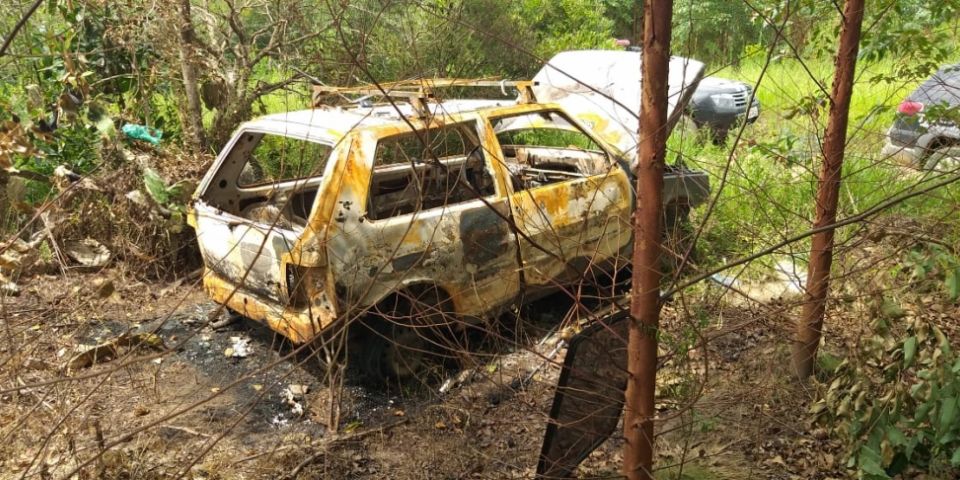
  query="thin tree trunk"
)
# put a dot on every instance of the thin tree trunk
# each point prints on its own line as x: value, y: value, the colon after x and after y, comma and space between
x: 637, y: 27
x: 193, y: 126
x: 647, y: 223
x: 809, y: 329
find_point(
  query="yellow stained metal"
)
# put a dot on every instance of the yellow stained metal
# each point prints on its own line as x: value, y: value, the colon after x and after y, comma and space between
x: 361, y: 256
x: 297, y: 325
x: 600, y: 125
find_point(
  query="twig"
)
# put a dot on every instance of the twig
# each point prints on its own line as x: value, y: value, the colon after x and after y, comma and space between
x: 870, y: 212
x: 18, y: 26
x: 346, y: 438
x: 186, y: 430
x: 263, y: 453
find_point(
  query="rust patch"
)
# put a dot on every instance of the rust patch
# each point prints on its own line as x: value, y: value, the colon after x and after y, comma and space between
x: 299, y: 325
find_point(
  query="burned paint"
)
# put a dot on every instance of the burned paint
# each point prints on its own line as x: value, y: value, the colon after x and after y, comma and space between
x: 485, y: 235
x: 472, y: 248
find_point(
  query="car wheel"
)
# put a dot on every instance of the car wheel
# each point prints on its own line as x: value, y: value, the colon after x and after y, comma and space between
x: 943, y: 160
x: 407, y: 336
x: 718, y: 136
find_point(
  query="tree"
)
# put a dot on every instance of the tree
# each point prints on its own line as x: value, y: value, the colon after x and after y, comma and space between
x: 645, y: 296
x: 717, y: 30
x: 809, y: 329
x: 230, y: 42
x: 193, y: 112
x: 566, y: 25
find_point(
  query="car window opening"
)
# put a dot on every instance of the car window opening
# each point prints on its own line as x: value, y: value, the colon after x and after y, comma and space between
x: 270, y: 179
x: 428, y: 169
x: 544, y: 147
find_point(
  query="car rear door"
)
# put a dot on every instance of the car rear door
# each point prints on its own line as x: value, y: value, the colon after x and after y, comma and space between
x: 435, y: 213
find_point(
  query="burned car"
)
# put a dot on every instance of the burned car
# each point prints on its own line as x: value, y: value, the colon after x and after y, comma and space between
x: 416, y: 217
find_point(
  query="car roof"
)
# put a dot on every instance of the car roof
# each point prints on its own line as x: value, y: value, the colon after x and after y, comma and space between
x: 941, y: 87
x: 330, y: 124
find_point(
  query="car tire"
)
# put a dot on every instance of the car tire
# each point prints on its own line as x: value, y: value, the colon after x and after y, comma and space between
x: 718, y: 136
x: 406, y: 335
x: 943, y: 160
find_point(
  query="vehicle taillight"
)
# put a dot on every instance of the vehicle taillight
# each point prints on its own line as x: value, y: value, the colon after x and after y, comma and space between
x: 909, y: 108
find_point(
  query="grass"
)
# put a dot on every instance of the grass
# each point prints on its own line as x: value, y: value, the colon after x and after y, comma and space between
x: 769, y: 188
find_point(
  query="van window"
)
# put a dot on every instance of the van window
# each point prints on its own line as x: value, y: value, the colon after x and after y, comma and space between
x: 545, y: 147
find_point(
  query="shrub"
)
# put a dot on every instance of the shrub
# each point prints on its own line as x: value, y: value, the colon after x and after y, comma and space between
x: 896, y: 406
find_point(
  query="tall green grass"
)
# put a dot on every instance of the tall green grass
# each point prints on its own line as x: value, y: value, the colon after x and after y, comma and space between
x: 770, y: 176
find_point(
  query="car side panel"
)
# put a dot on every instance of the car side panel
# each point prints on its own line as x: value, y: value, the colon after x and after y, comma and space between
x: 467, y: 249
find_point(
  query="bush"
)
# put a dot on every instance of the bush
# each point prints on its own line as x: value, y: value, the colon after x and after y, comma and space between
x: 896, y: 407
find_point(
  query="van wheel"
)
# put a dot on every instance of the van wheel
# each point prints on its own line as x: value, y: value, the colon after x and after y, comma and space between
x: 407, y: 336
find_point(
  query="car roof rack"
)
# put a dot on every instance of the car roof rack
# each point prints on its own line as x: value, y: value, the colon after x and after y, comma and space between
x: 419, y: 92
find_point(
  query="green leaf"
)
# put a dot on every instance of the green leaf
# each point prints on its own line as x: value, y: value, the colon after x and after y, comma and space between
x: 955, y: 459
x: 922, y: 411
x: 953, y: 283
x: 895, y: 436
x: 948, y: 412
x: 871, y: 463
x: 909, y: 351
x: 942, y: 339
x: 156, y: 187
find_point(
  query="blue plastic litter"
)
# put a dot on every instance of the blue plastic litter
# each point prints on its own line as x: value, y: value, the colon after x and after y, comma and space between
x: 140, y: 132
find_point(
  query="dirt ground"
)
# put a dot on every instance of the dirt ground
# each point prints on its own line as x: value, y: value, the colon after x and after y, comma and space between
x: 199, y: 406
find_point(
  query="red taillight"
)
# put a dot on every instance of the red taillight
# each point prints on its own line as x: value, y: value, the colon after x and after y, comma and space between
x: 910, y: 108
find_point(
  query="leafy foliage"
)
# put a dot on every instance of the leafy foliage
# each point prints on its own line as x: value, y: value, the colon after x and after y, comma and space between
x: 932, y: 264
x: 911, y: 29
x: 162, y: 193
x: 896, y: 406
x: 715, y: 30
x: 566, y: 25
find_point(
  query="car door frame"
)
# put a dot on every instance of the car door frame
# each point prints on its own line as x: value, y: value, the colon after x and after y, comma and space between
x: 226, y: 254
x: 548, y: 260
x: 383, y: 256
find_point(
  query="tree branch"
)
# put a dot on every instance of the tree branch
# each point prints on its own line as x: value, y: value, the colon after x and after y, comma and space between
x: 874, y: 210
x: 20, y: 23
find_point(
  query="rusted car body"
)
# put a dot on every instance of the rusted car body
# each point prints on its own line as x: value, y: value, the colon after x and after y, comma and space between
x: 313, y: 217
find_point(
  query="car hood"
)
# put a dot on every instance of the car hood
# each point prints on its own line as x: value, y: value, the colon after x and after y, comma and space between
x: 714, y: 85
x: 601, y: 88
